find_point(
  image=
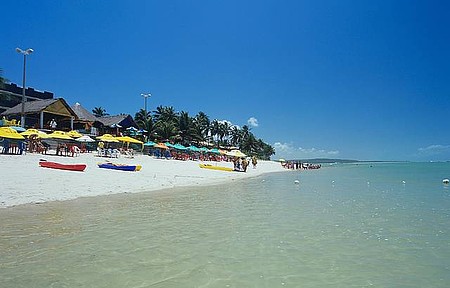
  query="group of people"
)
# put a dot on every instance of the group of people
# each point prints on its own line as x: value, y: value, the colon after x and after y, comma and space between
x: 241, y: 164
x: 297, y: 165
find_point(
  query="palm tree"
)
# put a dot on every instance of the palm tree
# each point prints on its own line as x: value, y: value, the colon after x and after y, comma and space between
x: 187, y: 129
x: 202, y: 125
x: 166, y: 114
x: 166, y: 130
x: 236, y: 135
x: 145, y: 121
x: 99, y: 112
x: 214, y: 129
x: 249, y: 145
x: 224, y: 132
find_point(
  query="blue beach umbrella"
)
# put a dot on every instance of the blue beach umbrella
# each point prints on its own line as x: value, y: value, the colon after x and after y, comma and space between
x: 169, y: 145
x: 179, y: 147
x: 193, y: 149
x: 149, y: 143
x: 204, y: 149
x: 215, y: 151
x: 18, y: 128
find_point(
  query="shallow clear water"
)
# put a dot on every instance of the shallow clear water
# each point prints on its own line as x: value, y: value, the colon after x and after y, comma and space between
x: 368, y: 225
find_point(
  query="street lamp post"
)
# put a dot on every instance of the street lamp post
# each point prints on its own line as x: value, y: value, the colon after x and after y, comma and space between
x: 24, y: 53
x: 145, y: 100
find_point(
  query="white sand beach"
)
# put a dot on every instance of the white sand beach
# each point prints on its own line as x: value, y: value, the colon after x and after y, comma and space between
x: 24, y: 181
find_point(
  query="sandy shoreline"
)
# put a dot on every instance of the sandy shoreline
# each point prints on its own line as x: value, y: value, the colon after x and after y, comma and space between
x: 23, y: 181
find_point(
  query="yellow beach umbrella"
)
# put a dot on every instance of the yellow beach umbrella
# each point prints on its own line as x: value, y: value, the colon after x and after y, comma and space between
x: 236, y: 153
x: 107, y: 138
x: 6, y: 132
x: 74, y: 134
x: 30, y: 132
x: 128, y: 139
x: 59, y: 135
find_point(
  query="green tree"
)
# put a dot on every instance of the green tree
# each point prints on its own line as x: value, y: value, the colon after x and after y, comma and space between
x: 99, y: 112
x: 187, y: 129
x: 144, y: 120
x: 167, y: 130
x: 202, y: 125
x: 165, y: 114
x: 236, y: 136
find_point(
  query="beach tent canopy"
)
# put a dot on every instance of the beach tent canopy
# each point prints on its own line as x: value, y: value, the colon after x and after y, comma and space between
x: 179, y: 147
x: 74, y: 134
x: 149, y: 143
x: 9, y: 133
x: 61, y: 135
x: 107, y: 138
x: 161, y: 145
x: 18, y: 128
x: 85, y: 138
x: 170, y: 145
x: 128, y: 139
x: 193, y: 149
x: 30, y: 132
x: 214, y: 150
x: 236, y: 153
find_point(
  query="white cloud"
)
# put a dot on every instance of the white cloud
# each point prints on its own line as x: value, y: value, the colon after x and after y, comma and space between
x: 252, y: 122
x: 434, y: 149
x: 287, y: 150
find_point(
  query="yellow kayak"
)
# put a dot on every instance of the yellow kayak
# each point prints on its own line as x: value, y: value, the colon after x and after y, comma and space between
x: 209, y: 166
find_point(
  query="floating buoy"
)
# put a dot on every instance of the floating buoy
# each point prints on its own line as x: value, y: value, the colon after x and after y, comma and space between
x: 297, y: 182
x: 445, y: 181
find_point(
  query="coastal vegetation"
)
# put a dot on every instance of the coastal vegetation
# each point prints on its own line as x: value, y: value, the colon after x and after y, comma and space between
x: 167, y: 124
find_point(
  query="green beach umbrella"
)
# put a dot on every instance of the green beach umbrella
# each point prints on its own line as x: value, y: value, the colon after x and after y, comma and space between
x: 193, y: 149
x: 179, y: 147
x: 149, y: 143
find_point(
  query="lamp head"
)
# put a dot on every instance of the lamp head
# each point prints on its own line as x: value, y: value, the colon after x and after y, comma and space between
x: 26, y: 52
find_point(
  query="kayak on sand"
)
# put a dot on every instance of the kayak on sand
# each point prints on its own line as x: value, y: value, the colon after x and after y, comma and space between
x: 61, y: 166
x: 121, y: 167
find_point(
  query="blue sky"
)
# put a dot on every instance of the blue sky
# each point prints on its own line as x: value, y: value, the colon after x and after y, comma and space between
x: 366, y: 80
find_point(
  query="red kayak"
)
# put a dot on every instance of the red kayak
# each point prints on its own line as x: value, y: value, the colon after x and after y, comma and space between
x: 55, y: 165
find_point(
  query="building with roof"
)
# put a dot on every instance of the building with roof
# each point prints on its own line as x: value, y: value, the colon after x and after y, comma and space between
x: 39, y: 113
x: 86, y: 121
x: 121, y: 120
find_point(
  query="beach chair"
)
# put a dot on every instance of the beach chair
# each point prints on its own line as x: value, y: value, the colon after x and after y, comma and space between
x: 115, y: 153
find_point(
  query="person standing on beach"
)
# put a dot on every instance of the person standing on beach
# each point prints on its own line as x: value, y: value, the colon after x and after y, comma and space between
x: 254, y: 162
x: 244, y: 164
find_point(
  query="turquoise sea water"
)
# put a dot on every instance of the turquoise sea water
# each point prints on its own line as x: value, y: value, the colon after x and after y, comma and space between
x: 367, y: 225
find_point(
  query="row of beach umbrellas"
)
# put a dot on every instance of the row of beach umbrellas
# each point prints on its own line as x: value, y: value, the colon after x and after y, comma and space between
x: 7, y: 132
x: 192, y: 148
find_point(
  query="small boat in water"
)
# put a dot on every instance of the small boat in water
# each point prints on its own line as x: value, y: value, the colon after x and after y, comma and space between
x: 212, y: 167
x: 62, y: 166
x: 122, y: 167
